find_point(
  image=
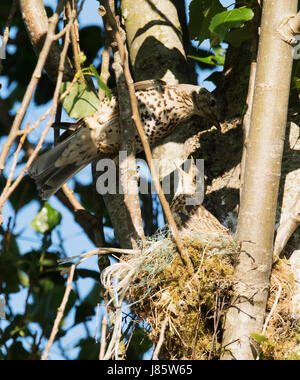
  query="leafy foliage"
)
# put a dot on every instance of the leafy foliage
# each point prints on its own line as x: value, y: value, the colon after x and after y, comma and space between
x: 81, y: 101
x: 33, y: 274
x: 201, y: 12
x: 46, y: 219
x: 222, y: 22
x: 31, y: 277
x: 210, y: 20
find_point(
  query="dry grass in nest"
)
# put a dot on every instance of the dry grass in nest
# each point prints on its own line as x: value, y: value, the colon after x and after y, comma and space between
x: 283, y: 330
x: 161, y: 292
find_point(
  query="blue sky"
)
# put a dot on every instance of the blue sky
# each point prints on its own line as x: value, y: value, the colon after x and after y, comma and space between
x: 75, y: 240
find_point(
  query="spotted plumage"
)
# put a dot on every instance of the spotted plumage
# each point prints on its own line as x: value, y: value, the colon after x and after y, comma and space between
x: 162, y: 108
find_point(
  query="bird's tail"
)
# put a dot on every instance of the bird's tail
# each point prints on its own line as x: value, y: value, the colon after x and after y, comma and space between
x: 50, y: 178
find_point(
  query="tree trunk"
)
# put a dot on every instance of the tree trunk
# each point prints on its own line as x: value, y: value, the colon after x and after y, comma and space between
x: 260, y: 188
x: 155, y: 38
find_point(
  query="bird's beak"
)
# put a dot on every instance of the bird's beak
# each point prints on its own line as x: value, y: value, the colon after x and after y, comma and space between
x: 214, y: 120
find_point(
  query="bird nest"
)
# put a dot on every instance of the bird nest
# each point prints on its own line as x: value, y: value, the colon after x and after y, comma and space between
x: 281, y: 340
x: 183, y: 312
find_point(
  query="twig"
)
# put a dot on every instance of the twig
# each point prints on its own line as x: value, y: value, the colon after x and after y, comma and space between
x: 75, y: 40
x: 105, y: 74
x: 289, y: 29
x: 12, y: 12
x: 138, y: 123
x: 36, y: 22
x: 128, y: 172
x: 273, y: 307
x: 219, y: 306
x: 12, y: 188
x: 161, y: 338
x: 15, y: 161
x: 287, y: 227
x: 32, y: 84
x: 87, y: 221
x: 196, y: 333
x: 103, y: 337
x: 97, y: 252
x: 60, y: 313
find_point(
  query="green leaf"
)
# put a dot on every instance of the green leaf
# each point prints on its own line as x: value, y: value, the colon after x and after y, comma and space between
x: 81, y: 101
x: 261, y: 339
x: 81, y: 58
x: 201, y: 13
x: 46, y: 219
x: 210, y: 60
x: 296, y: 83
x: 24, y: 279
x: 218, y: 59
x: 222, y: 22
x: 91, y: 70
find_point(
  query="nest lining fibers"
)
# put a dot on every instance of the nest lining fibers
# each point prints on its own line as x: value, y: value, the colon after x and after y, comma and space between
x: 157, y: 285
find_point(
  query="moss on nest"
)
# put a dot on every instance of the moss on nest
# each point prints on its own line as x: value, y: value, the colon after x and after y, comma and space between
x: 160, y: 291
x: 283, y: 330
x: 162, y: 288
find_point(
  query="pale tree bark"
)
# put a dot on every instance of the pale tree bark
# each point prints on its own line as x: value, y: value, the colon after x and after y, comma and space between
x: 148, y: 29
x: 123, y: 207
x: 128, y: 172
x: 155, y: 40
x: 256, y: 221
x: 156, y: 51
x: 36, y: 22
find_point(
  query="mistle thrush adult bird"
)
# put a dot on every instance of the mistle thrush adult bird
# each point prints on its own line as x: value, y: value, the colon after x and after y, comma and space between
x: 192, y: 217
x: 162, y: 108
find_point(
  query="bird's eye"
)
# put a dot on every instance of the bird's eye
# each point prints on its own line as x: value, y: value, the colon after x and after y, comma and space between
x: 212, y: 103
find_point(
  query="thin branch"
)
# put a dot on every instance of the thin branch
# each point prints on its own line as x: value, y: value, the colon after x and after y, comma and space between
x: 75, y: 40
x: 105, y: 74
x: 84, y: 218
x: 15, y: 161
x: 60, y: 313
x: 161, y: 338
x: 139, y: 125
x: 12, y: 12
x: 128, y: 172
x: 103, y: 337
x: 97, y: 252
x: 289, y: 29
x: 272, y: 311
x: 36, y: 22
x: 287, y: 227
x: 32, y: 85
x: 56, y: 99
